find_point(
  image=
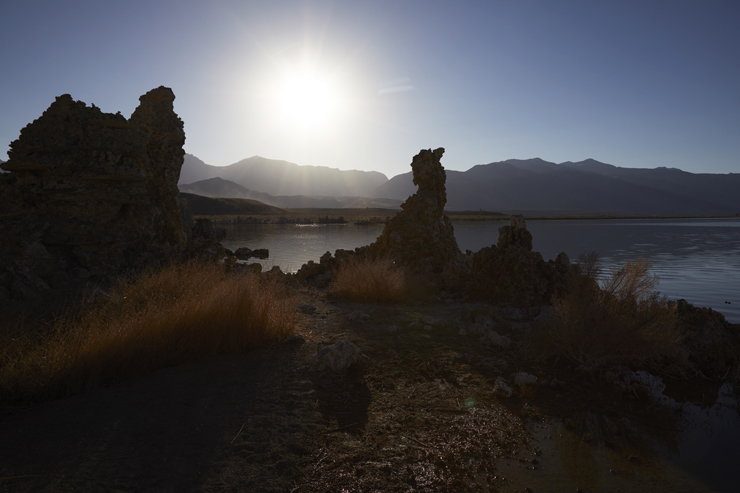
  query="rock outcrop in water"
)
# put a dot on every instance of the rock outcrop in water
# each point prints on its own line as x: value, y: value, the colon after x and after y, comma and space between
x: 421, y: 237
x: 90, y: 194
x: 510, y: 272
x: 712, y: 341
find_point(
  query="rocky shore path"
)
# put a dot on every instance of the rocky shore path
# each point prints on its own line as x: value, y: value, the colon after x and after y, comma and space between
x: 418, y: 413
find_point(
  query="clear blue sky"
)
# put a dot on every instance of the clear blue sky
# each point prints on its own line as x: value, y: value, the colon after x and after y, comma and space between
x: 632, y: 83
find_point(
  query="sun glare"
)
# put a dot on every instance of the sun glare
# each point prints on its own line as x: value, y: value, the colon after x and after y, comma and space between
x: 307, y: 100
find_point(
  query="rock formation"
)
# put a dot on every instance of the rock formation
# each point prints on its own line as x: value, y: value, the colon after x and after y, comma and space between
x: 510, y: 272
x: 711, y: 340
x: 421, y: 237
x: 90, y: 194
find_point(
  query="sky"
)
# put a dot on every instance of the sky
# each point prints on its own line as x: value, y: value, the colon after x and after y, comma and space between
x: 367, y: 84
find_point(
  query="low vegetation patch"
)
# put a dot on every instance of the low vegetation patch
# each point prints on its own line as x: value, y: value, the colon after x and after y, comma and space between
x: 178, y: 314
x: 371, y: 280
x: 619, y: 319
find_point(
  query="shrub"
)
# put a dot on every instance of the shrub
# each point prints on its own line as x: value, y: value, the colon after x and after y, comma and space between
x: 620, y: 320
x: 181, y: 313
x: 370, y: 280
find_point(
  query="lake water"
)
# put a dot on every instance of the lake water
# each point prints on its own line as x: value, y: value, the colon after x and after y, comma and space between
x: 696, y: 259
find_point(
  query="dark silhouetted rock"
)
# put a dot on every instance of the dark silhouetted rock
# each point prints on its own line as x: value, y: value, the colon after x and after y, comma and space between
x: 510, y: 272
x: 515, y: 234
x: 245, y: 253
x: 420, y: 237
x: 89, y: 194
x: 711, y: 340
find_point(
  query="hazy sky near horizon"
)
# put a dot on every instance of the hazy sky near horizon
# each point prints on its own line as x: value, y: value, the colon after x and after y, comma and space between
x: 366, y: 84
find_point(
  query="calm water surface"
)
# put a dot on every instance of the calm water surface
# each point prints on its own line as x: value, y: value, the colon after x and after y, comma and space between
x: 698, y: 260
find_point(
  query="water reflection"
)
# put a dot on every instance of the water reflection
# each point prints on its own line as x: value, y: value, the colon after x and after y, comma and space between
x: 656, y: 445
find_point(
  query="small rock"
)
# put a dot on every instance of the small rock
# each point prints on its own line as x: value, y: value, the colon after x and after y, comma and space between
x: 501, y: 388
x: 494, y: 340
x: 527, y: 383
x: 463, y: 332
x: 243, y: 253
x: 339, y: 356
x: 393, y: 329
x: 524, y: 379
x: 261, y: 253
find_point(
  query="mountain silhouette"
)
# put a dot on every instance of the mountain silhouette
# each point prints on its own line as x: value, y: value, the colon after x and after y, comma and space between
x: 536, y: 186
x: 283, y: 178
x: 528, y: 186
x: 220, y: 188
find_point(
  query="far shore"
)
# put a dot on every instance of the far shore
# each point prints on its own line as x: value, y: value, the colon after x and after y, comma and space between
x: 367, y: 215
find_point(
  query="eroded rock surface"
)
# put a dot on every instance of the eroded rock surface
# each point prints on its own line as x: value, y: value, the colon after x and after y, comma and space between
x: 421, y: 237
x: 510, y: 272
x: 711, y: 340
x: 89, y: 194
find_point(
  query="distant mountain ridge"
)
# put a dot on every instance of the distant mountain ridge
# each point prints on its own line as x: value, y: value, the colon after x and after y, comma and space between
x: 209, y: 205
x: 586, y: 187
x: 533, y: 186
x: 283, y: 178
x: 220, y: 188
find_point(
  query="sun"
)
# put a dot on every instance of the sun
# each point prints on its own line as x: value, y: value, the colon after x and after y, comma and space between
x: 307, y: 99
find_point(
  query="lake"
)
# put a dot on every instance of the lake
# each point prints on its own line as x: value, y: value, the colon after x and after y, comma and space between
x: 696, y: 259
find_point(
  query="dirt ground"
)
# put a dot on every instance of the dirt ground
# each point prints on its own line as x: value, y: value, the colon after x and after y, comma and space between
x: 418, y: 413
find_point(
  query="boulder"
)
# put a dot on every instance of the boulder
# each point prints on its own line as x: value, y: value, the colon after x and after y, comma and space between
x: 493, y: 340
x: 244, y: 253
x: 501, y: 388
x: 337, y: 357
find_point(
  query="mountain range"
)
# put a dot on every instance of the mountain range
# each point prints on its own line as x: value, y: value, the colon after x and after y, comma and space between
x: 531, y: 186
x: 281, y: 178
x: 220, y: 188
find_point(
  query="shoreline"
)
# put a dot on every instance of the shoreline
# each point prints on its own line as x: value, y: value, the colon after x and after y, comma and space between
x: 372, y: 215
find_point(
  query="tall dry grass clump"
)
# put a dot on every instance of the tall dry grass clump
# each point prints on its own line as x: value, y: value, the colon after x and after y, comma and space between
x: 374, y: 280
x: 619, y: 319
x: 181, y: 313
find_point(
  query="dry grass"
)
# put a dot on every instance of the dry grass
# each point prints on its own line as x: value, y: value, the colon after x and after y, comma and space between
x: 621, y: 320
x: 178, y: 314
x: 371, y: 280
